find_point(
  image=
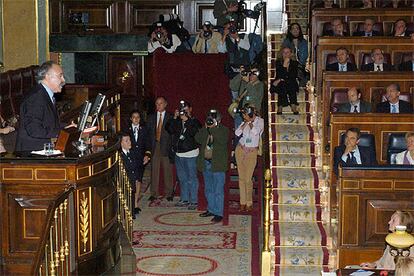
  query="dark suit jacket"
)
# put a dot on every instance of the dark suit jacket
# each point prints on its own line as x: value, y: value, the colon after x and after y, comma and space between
x: 385, y: 107
x: 365, y: 107
x: 132, y: 167
x: 362, y: 33
x: 406, y: 66
x: 370, y: 67
x: 143, y: 143
x: 335, y: 67
x: 165, y: 141
x: 39, y: 120
x: 289, y: 76
x: 367, y: 157
x: 331, y: 33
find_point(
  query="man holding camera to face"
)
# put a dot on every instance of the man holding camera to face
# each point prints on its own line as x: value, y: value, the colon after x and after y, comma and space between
x: 183, y: 129
x: 161, y: 38
x: 212, y: 162
x: 207, y: 41
x: 249, y: 132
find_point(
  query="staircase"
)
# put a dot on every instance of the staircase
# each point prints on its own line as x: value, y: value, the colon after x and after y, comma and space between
x: 299, y: 241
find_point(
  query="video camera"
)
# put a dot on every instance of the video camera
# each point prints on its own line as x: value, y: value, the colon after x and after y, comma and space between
x: 254, y: 14
x: 247, y: 109
x: 213, y: 118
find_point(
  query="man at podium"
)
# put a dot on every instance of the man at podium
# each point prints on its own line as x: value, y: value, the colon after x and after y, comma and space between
x: 39, y: 119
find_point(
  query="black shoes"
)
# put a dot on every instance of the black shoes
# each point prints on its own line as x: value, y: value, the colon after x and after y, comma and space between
x: 217, y: 219
x: 170, y: 198
x: 152, y: 198
x: 137, y: 210
x: 206, y: 214
x: 296, y: 112
x: 279, y: 113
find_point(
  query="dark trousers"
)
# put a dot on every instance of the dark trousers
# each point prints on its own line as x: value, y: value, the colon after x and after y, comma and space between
x: 157, y: 162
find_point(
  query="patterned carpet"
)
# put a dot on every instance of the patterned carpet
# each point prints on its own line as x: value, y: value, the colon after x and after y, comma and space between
x: 175, y: 241
x: 300, y: 239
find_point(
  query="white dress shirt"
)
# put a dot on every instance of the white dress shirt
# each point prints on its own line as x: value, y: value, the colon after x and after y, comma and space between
x: 357, y: 156
x: 250, y: 136
x: 381, y: 67
x: 399, y: 158
x: 397, y: 107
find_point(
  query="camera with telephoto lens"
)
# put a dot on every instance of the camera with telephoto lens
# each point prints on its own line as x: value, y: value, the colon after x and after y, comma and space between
x: 245, y: 73
x: 254, y: 14
x: 209, y: 32
x: 182, y: 108
x: 233, y: 29
x: 248, y: 110
x: 213, y: 118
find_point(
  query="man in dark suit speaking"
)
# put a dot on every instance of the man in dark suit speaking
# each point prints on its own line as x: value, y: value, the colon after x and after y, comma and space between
x: 350, y: 154
x: 39, y: 120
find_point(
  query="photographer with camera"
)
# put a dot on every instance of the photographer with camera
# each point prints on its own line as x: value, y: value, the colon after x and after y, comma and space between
x: 249, y: 132
x: 207, y: 41
x: 224, y: 11
x: 183, y: 129
x: 212, y: 162
x: 247, y: 88
x: 161, y: 38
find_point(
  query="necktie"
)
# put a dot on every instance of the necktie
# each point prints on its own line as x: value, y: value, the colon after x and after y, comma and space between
x: 368, y: 34
x: 159, y: 128
x: 342, y: 68
x: 351, y: 159
x: 378, y: 68
x: 355, y: 109
x: 136, y: 133
x: 205, y: 47
x: 393, y: 108
x: 54, y: 101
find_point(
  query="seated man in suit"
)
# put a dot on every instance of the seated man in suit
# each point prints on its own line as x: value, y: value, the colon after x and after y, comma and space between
x: 368, y: 29
x: 39, y: 119
x: 378, y: 64
x: 350, y: 154
x: 400, y: 28
x: 141, y: 149
x: 393, y: 103
x: 342, y: 65
x: 338, y: 28
x: 407, y: 66
x: 355, y: 104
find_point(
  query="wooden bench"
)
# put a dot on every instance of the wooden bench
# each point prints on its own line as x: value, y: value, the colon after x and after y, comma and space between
x: 367, y: 199
x: 371, y: 85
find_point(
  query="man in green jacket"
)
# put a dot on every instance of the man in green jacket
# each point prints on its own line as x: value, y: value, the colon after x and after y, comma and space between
x: 212, y: 162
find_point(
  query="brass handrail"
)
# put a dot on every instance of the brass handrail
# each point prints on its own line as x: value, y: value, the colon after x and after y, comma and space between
x: 53, y: 255
x: 266, y: 254
x: 124, y: 190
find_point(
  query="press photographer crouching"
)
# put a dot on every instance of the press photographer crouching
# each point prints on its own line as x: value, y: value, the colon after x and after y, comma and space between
x: 246, y: 153
x: 161, y: 38
x: 207, y: 41
x: 212, y: 162
x: 183, y: 129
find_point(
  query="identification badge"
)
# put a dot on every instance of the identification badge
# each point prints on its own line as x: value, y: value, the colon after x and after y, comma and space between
x: 248, y: 140
x: 182, y: 137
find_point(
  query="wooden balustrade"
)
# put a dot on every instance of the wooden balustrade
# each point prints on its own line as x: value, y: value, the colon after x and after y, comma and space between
x: 125, y: 200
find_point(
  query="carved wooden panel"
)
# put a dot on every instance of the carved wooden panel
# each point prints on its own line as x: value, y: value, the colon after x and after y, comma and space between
x: 27, y: 215
x: 350, y: 219
x: 91, y: 16
x: 109, y: 207
x: 84, y: 220
x: 144, y: 13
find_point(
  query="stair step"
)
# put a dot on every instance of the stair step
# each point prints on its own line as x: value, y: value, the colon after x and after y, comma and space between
x: 302, y: 107
x: 303, y: 234
x: 298, y: 256
x: 289, y: 119
x: 309, y: 270
x: 297, y: 213
x: 296, y: 197
x: 292, y: 133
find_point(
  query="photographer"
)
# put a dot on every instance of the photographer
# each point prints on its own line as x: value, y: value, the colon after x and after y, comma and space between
x: 207, y: 41
x: 246, y: 153
x: 247, y: 88
x: 183, y: 129
x: 224, y: 11
x: 161, y: 38
x: 237, y: 46
x: 212, y: 162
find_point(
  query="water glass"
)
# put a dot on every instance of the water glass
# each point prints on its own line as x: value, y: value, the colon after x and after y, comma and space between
x: 48, y: 148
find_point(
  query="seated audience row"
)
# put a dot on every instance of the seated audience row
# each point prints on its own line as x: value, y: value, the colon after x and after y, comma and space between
x: 369, y: 28
x: 392, y: 103
x: 346, y: 63
x: 366, y: 4
x: 350, y: 153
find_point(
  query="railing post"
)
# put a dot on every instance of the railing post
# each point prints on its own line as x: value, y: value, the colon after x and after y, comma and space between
x: 266, y: 255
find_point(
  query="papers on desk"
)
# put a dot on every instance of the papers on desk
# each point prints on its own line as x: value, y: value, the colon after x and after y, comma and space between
x: 43, y: 153
x: 362, y: 272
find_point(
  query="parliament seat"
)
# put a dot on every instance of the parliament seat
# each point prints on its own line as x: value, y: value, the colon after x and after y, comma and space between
x: 365, y: 58
x: 378, y: 26
x: 327, y: 26
x: 331, y: 58
x: 339, y: 96
x: 366, y: 140
x: 6, y: 105
x: 396, y: 144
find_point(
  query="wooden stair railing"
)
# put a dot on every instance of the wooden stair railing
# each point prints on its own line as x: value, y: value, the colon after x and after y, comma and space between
x: 124, y: 200
x: 54, y: 256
